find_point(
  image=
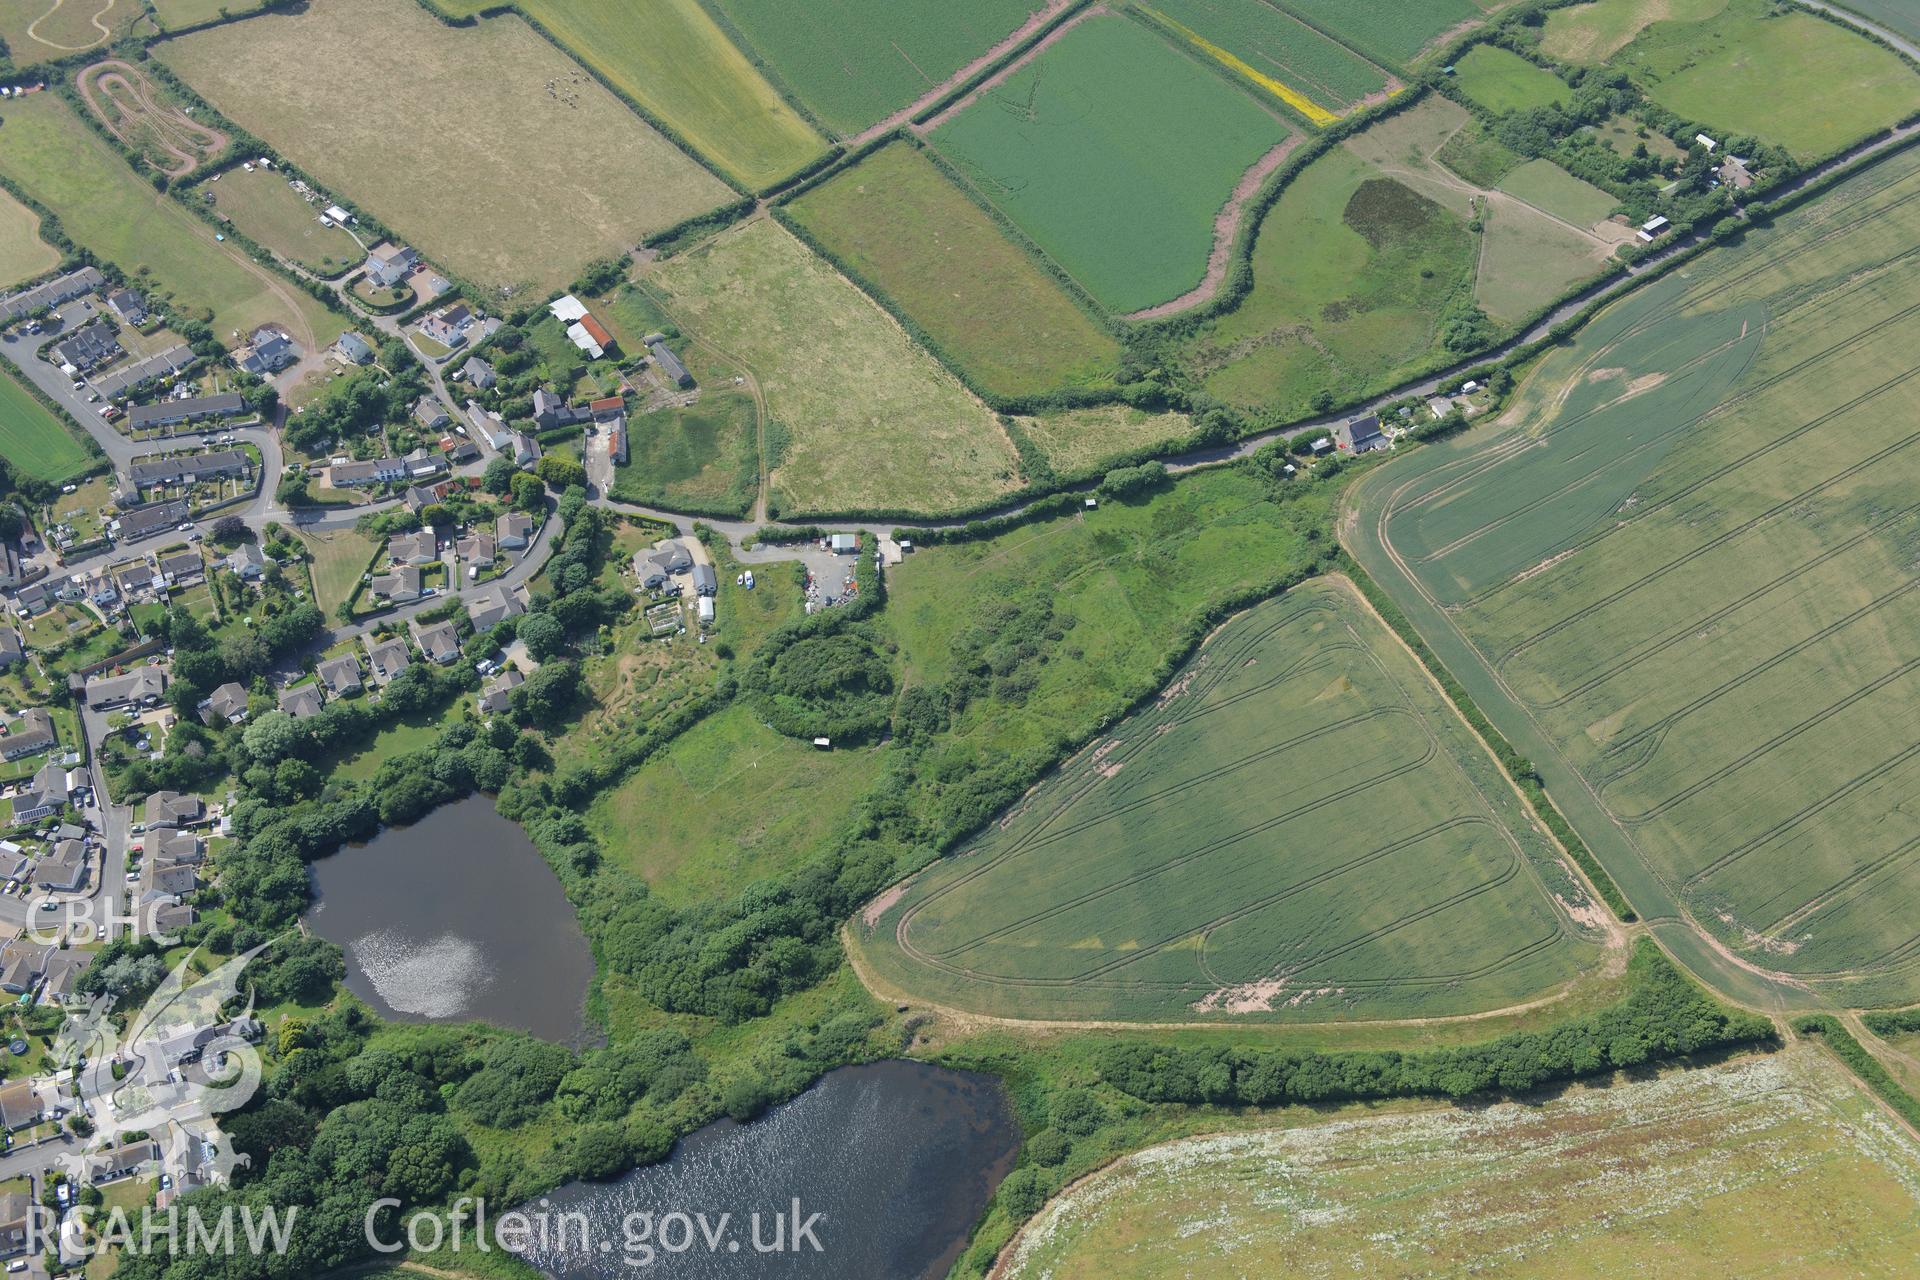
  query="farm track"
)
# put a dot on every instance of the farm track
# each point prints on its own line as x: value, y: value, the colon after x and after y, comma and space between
x: 1005, y: 73
x: 106, y: 32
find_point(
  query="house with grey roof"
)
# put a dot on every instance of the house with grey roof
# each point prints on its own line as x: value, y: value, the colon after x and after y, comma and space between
x: 418, y: 547
x: 439, y: 643
x: 267, y: 351
x: 12, y: 649
x: 406, y: 583
x: 431, y: 414
x: 91, y: 344
x: 28, y: 734
x: 479, y: 372
x: 387, y: 658
x: 190, y: 468
x: 128, y: 305
x: 388, y: 264
x: 168, y: 413
x: 247, y: 561
x: 225, y: 705
x: 143, y: 522
x: 64, y: 869
x: 140, y: 687
x: 513, y: 529
x: 1361, y: 434
x: 495, y: 696
x: 169, y: 810
x: 301, y: 701
x: 341, y: 675
x: 488, y: 609
x: 46, y: 794
x: 354, y: 348
x: 353, y: 474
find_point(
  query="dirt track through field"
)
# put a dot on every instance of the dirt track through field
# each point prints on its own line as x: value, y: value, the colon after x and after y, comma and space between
x: 1025, y: 31
x: 106, y: 32
x: 124, y: 101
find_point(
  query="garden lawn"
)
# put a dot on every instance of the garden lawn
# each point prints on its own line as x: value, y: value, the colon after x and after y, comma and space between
x: 1501, y: 80
x: 340, y: 556
x: 907, y: 231
x: 1114, y: 151
x: 859, y: 416
x: 23, y: 254
x: 485, y: 147
x: 34, y: 442
x: 852, y: 62
x: 671, y: 58
x: 104, y: 205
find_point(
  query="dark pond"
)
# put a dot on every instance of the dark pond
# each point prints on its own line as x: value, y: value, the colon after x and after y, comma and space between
x: 456, y: 917
x: 897, y: 1158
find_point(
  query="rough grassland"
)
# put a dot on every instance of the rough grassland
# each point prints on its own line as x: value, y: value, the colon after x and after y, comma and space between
x: 23, y: 254
x: 1299, y: 826
x: 700, y: 458
x: 1792, y: 79
x: 873, y: 420
x: 1592, y: 33
x: 1077, y: 441
x: 1763, y: 1166
x: 175, y: 14
x: 41, y: 30
x: 1679, y: 575
x: 264, y: 207
x: 1352, y: 271
x: 1501, y: 80
x: 1113, y: 151
x: 1277, y: 44
x: 730, y: 802
x: 102, y: 204
x: 33, y: 441
x: 485, y: 147
x: 1545, y: 185
x: 852, y: 62
x: 900, y: 224
x: 1391, y: 31
x: 671, y: 58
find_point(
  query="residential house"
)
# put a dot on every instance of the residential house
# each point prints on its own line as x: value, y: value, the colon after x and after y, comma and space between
x: 352, y: 474
x: 388, y: 264
x: 171, y: 811
x: 53, y: 292
x: 123, y: 1161
x: 476, y: 548
x: 182, y: 568
x: 494, y: 695
x: 479, y: 372
x: 45, y: 795
x: 144, y: 522
x: 418, y: 547
x: 423, y: 462
x: 128, y: 305
x: 12, y: 649
x: 488, y: 609
x: 524, y: 448
x: 190, y: 468
x: 1361, y: 434
x: 301, y: 701
x: 116, y: 382
x: 431, y: 414
x: 19, y: 1106
x: 448, y: 326
x: 60, y: 982
x: 388, y: 658
x: 459, y: 451
x: 92, y: 344
x: 178, y: 846
x: 22, y: 964
x: 34, y: 599
x: 247, y: 561
x: 439, y: 643
x: 353, y: 348
x: 341, y: 675
x: 513, y: 530
x: 15, y: 1223
x: 28, y: 734
x: 705, y: 582
x: 12, y: 567
x: 655, y: 566
x: 267, y: 351
x: 64, y: 870
x: 418, y: 499
x: 225, y: 705
x: 167, y: 413
x: 550, y: 411
x: 403, y: 585
x: 175, y: 879
x: 139, y: 688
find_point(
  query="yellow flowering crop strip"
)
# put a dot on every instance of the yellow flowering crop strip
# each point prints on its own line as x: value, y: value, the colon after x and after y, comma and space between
x: 1300, y: 102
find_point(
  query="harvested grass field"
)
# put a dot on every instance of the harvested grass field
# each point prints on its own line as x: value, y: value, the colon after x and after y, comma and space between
x: 871, y: 419
x: 104, y: 205
x: 900, y: 224
x: 1352, y: 271
x: 1787, y: 78
x: 486, y: 147
x: 1273, y: 45
x: 1075, y: 146
x: 730, y: 802
x: 1078, y: 441
x: 340, y: 556
x: 1546, y: 186
x: 1392, y: 32
x: 1501, y: 80
x: 854, y: 61
x: 703, y: 458
x: 1591, y: 33
x: 1678, y: 574
x: 41, y: 30
x: 23, y: 254
x: 671, y: 58
x: 35, y: 443
x: 1300, y: 827
x: 261, y: 205
x: 1761, y: 1166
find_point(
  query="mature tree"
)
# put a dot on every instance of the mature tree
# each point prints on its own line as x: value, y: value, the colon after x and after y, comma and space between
x: 498, y: 477
x: 561, y: 471
x: 271, y: 735
x: 529, y: 494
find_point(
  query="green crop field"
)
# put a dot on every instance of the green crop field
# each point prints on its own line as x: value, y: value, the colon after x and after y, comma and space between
x: 104, y: 205
x: 1902, y: 16
x: 1546, y: 186
x: 1501, y: 80
x: 35, y: 443
x: 730, y: 802
x: 1762, y: 1166
x: 701, y: 458
x: 23, y: 254
x: 1275, y: 43
x: 897, y: 221
x: 1791, y: 78
x: 1389, y: 31
x: 262, y: 206
x: 1352, y: 271
x: 673, y: 59
x: 1298, y: 827
x: 1114, y: 151
x: 852, y: 62
x: 1678, y: 575
x: 871, y: 420
x: 485, y: 147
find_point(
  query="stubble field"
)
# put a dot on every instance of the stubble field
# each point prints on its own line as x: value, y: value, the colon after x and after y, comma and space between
x: 1680, y: 575
x: 1298, y: 828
